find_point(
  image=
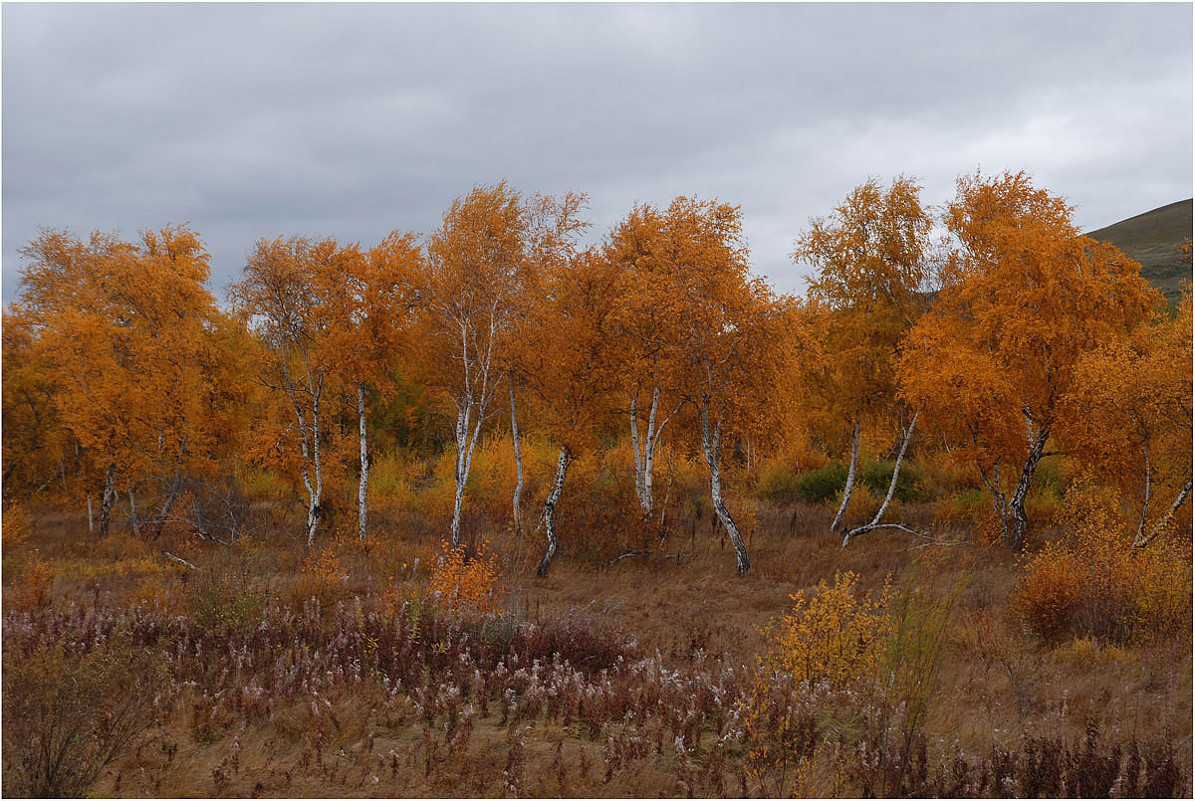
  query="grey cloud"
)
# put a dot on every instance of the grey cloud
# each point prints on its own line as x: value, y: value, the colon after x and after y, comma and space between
x: 351, y: 120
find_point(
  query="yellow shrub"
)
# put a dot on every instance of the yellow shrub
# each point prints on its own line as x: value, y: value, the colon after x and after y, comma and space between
x: 33, y: 587
x: 1090, y: 651
x: 464, y: 583
x: 836, y: 636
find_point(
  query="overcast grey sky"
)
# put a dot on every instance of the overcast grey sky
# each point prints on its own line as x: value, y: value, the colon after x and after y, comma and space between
x: 351, y: 120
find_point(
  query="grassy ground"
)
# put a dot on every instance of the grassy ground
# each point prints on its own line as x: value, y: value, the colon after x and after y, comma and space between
x: 630, y: 678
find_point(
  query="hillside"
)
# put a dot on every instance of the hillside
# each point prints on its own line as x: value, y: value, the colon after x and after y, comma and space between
x: 1153, y: 239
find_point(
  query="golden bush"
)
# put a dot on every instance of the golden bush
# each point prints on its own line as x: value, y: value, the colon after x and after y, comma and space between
x: 33, y: 588
x: 835, y: 636
x: 465, y: 582
x: 1094, y: 582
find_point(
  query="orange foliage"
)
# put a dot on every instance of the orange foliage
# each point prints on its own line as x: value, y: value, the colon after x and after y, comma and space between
x: 464, y: 583
x: 129, y: 337
x: 1024, y: 296
x: 1094, y: 582
x: 32, y: 588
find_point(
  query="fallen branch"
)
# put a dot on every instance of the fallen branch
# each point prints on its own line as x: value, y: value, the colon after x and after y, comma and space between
x: 931, y: 541
x: 618, y: 559
x: 873, y: 526
x: 179, y: 559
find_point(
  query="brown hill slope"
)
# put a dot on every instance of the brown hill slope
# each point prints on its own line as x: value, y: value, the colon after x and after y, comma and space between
x: 1153, y: 239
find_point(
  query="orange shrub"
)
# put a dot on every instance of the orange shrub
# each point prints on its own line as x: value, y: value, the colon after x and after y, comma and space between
x: 15, y: 530
x: 1093, y: 582
x: 322, y: 576
x: 465, y: 583
x: 32, y: 588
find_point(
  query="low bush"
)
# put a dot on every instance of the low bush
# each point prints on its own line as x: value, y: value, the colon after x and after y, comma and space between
x: 877, y: 475
x: 465, y: 580
x: 69, y: 712
x: 1094, y: 582
x: 778, y: 484
x: 821, y: 485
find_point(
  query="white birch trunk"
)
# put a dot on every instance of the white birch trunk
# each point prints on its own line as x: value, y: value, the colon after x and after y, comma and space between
x: 514, y: 436
x: 317, y: 501
x: 645, y: 454
x: 133, y: 514
x: 1160, y: 526
x: 637, y: 452
x: 363, y: 485
x: 475, y: 398
x: 711, y: 441
x: 159, y: 519
x: 90, y: 515
x: 108, y: 498
x: 549, y: 514
x: 850, y: 476
x: 900, y: 457
x: 466, y: 442
x: 1015, y: 537
x: 309, y: 446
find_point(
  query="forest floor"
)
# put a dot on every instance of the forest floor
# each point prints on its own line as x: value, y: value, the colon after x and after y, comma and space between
x: 241, y: 687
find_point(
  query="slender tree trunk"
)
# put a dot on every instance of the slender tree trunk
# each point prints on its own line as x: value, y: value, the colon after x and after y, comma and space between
x: 363, y: 485
x: 640, y: 488
x: 159, y: 520
x: 514, y: 436
x: 850, y: 476
x: 549, y: 515
x: 133, y: 514
x: 1144, y: 504
x: 90, y: 515
x: 900, y: 457
x: 1160, y: 526
x: 309, y: 445
x: 313, y: 517
x: 711, y: 441
x: 1015, y: 538
x: 109, y: 497
x: 645, y: 453
x: 466, y: 442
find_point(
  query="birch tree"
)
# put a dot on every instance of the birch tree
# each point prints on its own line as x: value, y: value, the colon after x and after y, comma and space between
x: 645, y: 324
x: 567, y: 359
x: 283, y: 297
x: 466, y: 290
x: 872, y: 258
x: 1024, y: 296
x: 1128, y: 417
x: 729, y: 346
x: 370, y: 300
x: 125, y: 332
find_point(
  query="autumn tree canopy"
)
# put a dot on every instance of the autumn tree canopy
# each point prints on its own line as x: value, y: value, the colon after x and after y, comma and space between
x: 1024, y: 297
x: 1016, y: 340
x: 872, y: 257
x: 123, y: 332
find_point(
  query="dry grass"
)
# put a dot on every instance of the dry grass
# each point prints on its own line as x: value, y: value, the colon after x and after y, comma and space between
x: 665, y: 627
